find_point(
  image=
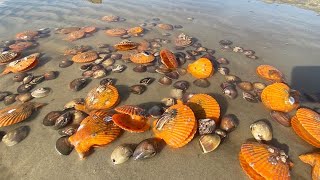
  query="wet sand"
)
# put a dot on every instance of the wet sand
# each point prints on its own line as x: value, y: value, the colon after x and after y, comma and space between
x: 283, y: 36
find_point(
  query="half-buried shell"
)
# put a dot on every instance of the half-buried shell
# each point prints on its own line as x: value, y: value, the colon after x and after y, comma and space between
x: 281, y: 117
x: 78, y: 84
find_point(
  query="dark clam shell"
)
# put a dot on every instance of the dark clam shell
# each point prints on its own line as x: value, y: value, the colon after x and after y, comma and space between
x: 223, y: 70
x: 156, y: 111
x: 147, y: 81
x: 226, y: 48
x: 50, y: 75
x: 27, y: 79
x: 96, y: 67
x: 181, y: 71
x: 2, y: 133
x: 232, y: 78
x: 223, y: 134
x: 138, y: 89
x: 181, y: 58
x: 206, y: 126
x: 249, y: 97
x: 37, y: 80
x: 230, y: 92
x: 63, y: 120
x: 24, y: 97
x: 10, y: 99
x: 23, y: 88
x: 172, y: 75
x: 162, y: 70
x: 68, y: 130
x: 15, y: 136
x: 140, y: 68
x: 228, y: 122
x: 222, y: 61
x: 226, y: 84
x: 183, y: 85
x: 165, y: 80
x: 86, y: 67
x: 78, y: 84
x: 3, y: 95
x: 203, y: 83
x: 63, y: 146
x: 145, y: 149
x: 281, y: 117
x: 225, y: 42
x: 51, y: 117
x: 245, y: 86
x: 151, y: 69
x: 19, y: 77
x: 88, y: 73
x: 108, y: 81
x: 190, y: 57
x: 65, y: 63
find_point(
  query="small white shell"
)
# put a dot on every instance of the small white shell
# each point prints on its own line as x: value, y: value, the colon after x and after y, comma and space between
x: 121, y: 154
x: 261, y: 131
x: 40, y: 93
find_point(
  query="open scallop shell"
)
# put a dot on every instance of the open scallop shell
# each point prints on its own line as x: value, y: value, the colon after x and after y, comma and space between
x: 168, y: 59
x: 201, y: 68
x: 269, y: 73
x: 102, y: 97
x: 85, y: 57
x: 131, y: 123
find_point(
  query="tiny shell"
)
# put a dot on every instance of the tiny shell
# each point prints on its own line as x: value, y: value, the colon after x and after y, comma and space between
x: 138, y: 89
x: 78, y: 84
x: 10, y: 99
x: 145, y: 149
x: 19, y: 77
x: 164, y: 80
x: 183, y: 85
x: 228, y: 122
x: 63, y: 120
x: 118, y: 68
x: 203, y: 83
x: 15, y: 136
x: 168, y: 101
x: 206, y: 126
x: 51, y: 117
x: 121, y: 154
x: 245, y: 86
x: 209, y: 142
x: 225, y: 42
x: 222, y: 61
x: 63, y: 146
x: 281, y: 117
x: 147, y: 81
x: 40, y: 92
x: 24, y: 97
x: 99, y: 74
x: 248, y: 52
x: 261, y: 131
x: 223, y: 70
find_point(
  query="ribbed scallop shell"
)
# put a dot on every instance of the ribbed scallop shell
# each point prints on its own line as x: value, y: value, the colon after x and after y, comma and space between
x: 168, y: 59
x: 135, y: 30
x: 129, y: 123
x: 176, y: 126
x: 8, y: 56
x: 75, y: 35
x: 131, y: 110
x: 94, y: 131
x: 85, y: 57
x: 16, y: 113
x: 269, y: 73
x: 313, y: 159
x: 126, y: 45
x: 116, y: 32
x: 102, y: 97
x: 142, y: 58
x: 20, y: 46
x: 261, y: 161
x: 22, y: 65
x: 277, y: 97
x: 306, y: 123
x: 204, y: 107
x: 27, y: 35
x: 201, y: 68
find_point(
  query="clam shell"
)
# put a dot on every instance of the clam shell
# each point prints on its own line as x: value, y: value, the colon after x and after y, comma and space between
x: 248, y: 52
x: 37, y: 80
x: 172, y: 75
x: 226, y: 84
x: 121, y: 154
x: 203, y: 83
x: 19, y: 77
x: 88, y: 73
x: 162, y: 70
x: 24, y: 97
x: 281, y: 117
x: 165, y: 80
x: 223, y: 70
x: 3, y: 95
x: 209, y: 142
x: 138, y: 89
x: 230, y: 92
x: 50, y: 75
x: 69, y: 130
x: 97, y: 67
x: 65, y: 63
x: 51, y: 117
x: 107, y: 81
x: 15, y: 136
x: 108, y: 62
x: 71, y: 104
x: 10, y: 99
x: 225, y: 42
x: 155, y: 111
x: 63, y: 146
x: 27, y: 79
x: 259, y: 85
x: 86, y: 67
x: 228, y: 122
x: 222, y: 61
x: 176, y: 93
x: 145, y: 149
x: 261, y: 131
x: 183, y: 85
x: 99, y: 74
x: 63, y: 120
x: 249, y: 97
x: 151, y: 69
x: 206, y: 126
x: 182, y: 71
x: 78, y: 84
x: 140, y: 68
x: 40, y: 93
x: 78, y: 117
x: 245, y: 86
x: 232, y: 78
x: 147, y: 81
x: 223, y: 134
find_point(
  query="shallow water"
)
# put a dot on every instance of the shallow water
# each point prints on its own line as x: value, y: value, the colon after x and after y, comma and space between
x: 281, y: 35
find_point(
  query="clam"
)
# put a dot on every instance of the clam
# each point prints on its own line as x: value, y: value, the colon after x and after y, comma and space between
x: 24, y: 97
x: 15, y: 136
x: 71, y: 104
x: 116, y: 56
x: 68, y: 130
x: 63, y: 146
x: 65, y: 63
x: 10, y: 99
x: 225, y: 42
x: 99, y: 60
x: 168, y: 101
x: 121, y: 154
x: 151, y: 69
x: 206, y: 126
x: 108, y: 62
x: 203, y: 83
x: 176, y: 93
x: 187, y: 96
x: 222, y: 133
x: 237, y: 49
x: 249, y: 97
x: 118, y: 68
x: 223, y: 70
x: 86, y: 67
x: 245, y: 86
x: 232, y: 78
x: 183, y: 85
x: 248, y: 52
x: 88, y: 73
x: 155, y: 111
x: 78, y: 117
x: 19, y: 77
x: 40, y: 92
x: 261, y: 131
x: 172, y: 75
x: 222, y: 61
x: 226, y: 84
x: 107, y: 81
x: 162, y: 70
x: 165, y: 80
x: 78, y: 84
x: 140, y: 68
x: 27, y: 79
x: 99, y: 74
x: 23, y: 88
x: 3, y: 95
x: 230, y: 92
x: 228, y: 122
x: 97, y: 67
x: 63, y: 120
x: 226, y: 48
x: 51, y: 117
x: 259, y: 85
x: 145, y: 149
x: 281, y: 117
x: 138, y: 89
x: 50, y: 75
x: 209, y: 142
x: 37, y: 80
x: 147, y: 81
x: 181, y: 71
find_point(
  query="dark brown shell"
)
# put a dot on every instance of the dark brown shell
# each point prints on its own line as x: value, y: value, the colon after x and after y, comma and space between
x: 78, y: 84
x: 51, y: 117
x: 203, y: 83
x: 165, y: 80
x: 281, y: 117
x: 138, y: 89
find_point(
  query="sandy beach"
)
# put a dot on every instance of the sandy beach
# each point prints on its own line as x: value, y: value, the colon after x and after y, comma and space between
x: 281, y: 35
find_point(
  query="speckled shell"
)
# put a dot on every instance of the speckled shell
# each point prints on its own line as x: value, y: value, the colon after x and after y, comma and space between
x: 8, y: 56
x: 306, y: 123
x: 201, y: 68
x: 277, y: 97
x: 20, y: 46
x: 94, y: 131
x: 22, y: 65
x: 176, y: 126
x: 269, y: 73
x: 136, y: 124
x: 135, y: 30
x: 259, y: 161
x: 313, y: 159
x: 16, y: 113
x: 116, y: 32
x: 75, y: 35
x: 126, y: 45
x: 27, y: 35
x: 142, y: 58
x: 168, y: 59
x: 102, y: 97
x: 85, y: 57
x: 204, y: 107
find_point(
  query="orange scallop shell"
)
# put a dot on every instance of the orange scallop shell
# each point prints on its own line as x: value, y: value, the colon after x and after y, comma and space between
x: 22, y: 65
x: 17, y: 113
x: 306, y: 123
x: 20, y: 46
x: 165, y: 26
x: 278, y: 97
x: 102, y: 97
x: 269, y: 73
x: 75, y: 35
x: 135, y: 30
x: 126, y: 45
x: 168, y: 59
x: 201, y: 68
x: 27, y: 35
x: 260, y: 161
x: 131, y: 110
x: 116, y: 32
x: 142, y: 58
x: 130, y: 123
x: 204, y: 106
x: 313, y: 159
x: 96, y: 130
x: 176, y: 126
x: 85, y: 57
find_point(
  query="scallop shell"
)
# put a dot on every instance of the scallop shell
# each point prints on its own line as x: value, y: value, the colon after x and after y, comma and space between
x: 21, y: 46
x: 165, y: 26
x: 142, y: 58
x: 135, y: 31
x: 94, y: 131
x: 201, y: 68
x: 209, y: 142
x: 22, y: 65
x: 270, y: 73
x: 204, y: 107
x: 176, y: 126
x: 89, y: 29
x: 8, y: 56
x: 260, y: 161
x: 313, y: 159
x: 27, y: 35
x: 17, y: 113
x: 245, y: 85
x: 306, y: 124
x: 102, y: 97
x: 131, y: 123
x: 85, y: 57
x: 125, y: 45
x: 15, y: 136
x: 277, y: 97
x: 131, y: 110
x: 168, y: 59
x: 281, y: 117
x: 75, y: 35
x: 117, y: 32
x: 40, y: 93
